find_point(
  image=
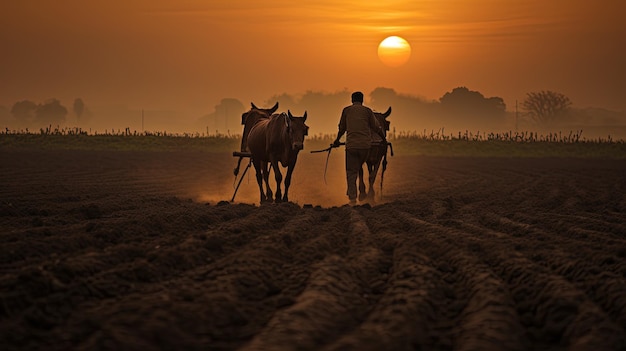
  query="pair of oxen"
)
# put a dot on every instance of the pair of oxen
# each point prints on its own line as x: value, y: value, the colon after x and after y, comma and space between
x: 271, y: 138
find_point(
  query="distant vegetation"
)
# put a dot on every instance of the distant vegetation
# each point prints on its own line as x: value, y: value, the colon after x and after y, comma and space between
x: 123, y: 140
x: 460, y: 108
x: 433, y: 143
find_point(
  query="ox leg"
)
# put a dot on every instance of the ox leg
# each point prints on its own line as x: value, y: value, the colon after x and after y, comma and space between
x: 293, y: 158
x: 362, y: 189
x: 259, y: 178
x: 288, y: 182
x: 372, y: 179
x: 266, y: 177
x: 279, y: 179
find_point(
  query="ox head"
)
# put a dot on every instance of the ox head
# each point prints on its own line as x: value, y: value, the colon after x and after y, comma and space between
x: 267, y: 111
x: 297, y: 130
x: 382, y: 119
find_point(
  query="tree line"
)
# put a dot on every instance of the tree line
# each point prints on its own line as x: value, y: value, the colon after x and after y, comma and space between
x: 459, y: 109
x: 453, y: 108
x: 51, y: 111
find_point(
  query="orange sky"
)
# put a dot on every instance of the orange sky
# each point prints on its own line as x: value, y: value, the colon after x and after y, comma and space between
x: 186, y: 55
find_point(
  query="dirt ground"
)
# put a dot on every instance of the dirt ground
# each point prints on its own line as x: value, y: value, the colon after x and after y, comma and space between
x: 134, y: 251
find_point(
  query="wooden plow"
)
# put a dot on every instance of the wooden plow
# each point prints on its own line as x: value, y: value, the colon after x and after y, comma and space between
x: 241, y: 156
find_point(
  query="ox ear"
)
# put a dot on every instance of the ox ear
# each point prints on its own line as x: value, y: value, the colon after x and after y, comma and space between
x: 386, y: 114
x: 273, y: 109
x: 304, y: 120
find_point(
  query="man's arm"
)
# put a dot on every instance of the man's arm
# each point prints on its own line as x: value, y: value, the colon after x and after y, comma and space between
x: 342, y: 128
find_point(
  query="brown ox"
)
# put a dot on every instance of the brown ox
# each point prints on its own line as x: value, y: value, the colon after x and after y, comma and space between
x: 378, y: 153
x: 248, y: 119
x: 274, y: 140
x: 253, y: 116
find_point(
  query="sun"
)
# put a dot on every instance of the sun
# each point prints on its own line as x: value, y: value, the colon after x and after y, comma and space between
x: 394, y: 51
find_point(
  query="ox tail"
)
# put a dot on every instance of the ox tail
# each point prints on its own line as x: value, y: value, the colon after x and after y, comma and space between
x: 382, y: 173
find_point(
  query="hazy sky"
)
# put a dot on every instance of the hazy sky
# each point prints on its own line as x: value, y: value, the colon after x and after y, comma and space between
x: 186, y: 55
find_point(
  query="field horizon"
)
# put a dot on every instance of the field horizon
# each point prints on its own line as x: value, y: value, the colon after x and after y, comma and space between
x: 434, y: 143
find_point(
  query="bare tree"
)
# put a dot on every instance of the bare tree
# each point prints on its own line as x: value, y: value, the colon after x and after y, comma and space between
x: 546, y: 107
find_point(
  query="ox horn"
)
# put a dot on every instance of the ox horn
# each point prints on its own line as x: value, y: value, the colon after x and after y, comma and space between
x: 274, y: 108
x: 386, y: 114
x: 304, y: 116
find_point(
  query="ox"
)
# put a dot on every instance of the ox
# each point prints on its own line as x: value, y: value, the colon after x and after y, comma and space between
x: 248, y: 119
x: 273, y: 140
x: 253, y: 115
x: 378, y: 153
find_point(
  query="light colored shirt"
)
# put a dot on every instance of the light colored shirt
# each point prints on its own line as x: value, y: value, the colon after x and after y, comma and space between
x: 357, y: 121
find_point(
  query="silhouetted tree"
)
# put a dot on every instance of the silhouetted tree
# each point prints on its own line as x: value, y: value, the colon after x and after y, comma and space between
x: 285, y: 101
x: 410, y: 113
x: 546, y: 106
x: 466, y: 107
x: 24, y: 111
x: 51, y: 112
x: 462, y: 99
x: 79, y: 107
x: 386, y: 95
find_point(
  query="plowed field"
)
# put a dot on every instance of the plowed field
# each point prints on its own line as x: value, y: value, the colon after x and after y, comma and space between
x: 103, y: 250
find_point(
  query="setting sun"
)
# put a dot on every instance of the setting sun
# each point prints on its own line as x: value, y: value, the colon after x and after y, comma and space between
x: 394, y: 51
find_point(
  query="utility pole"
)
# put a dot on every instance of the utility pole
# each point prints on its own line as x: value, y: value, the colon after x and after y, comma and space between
x: 516, y: 115
x: 142, y: 120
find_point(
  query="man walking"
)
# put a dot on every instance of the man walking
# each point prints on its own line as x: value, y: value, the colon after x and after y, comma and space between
x: 358, y: 122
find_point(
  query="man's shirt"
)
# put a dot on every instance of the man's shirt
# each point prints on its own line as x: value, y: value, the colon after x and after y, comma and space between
x: 357, y: 121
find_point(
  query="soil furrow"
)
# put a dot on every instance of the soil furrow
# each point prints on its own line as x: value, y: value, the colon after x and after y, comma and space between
x: 488, y: 320
x: 551, y: 308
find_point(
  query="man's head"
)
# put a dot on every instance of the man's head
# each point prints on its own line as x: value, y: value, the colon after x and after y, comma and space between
x: 357, y: 96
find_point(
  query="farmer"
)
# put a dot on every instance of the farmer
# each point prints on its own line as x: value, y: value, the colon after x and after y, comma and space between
x: 359, y: 123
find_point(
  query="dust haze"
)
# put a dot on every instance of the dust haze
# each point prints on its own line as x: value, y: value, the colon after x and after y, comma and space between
x: 208, y: 178
x: 307, y: 183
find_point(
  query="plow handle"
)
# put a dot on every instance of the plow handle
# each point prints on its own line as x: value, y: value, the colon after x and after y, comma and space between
x: 241, y: 154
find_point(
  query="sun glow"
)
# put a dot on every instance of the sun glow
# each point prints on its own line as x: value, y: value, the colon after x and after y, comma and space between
x: 394, y: 51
